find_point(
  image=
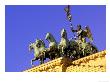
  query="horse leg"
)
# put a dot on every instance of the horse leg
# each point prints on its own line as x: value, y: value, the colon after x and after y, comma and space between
x: 41, y: 60
x: 51, y: 56
x: 62, y: 52
x: 83, y: 53
x: 33, y: 60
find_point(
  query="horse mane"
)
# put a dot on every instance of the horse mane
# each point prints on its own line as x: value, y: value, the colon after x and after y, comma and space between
x: 65, y: 35
x: 43, y: 43
x: 52, y: 37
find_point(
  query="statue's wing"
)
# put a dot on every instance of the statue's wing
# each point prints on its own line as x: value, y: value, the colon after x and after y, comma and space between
x: 89, y: 34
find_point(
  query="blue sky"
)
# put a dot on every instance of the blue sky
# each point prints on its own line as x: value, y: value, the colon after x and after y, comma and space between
x: 26, y: 23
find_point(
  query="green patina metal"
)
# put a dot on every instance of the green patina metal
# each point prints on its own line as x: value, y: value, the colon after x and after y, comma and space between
x: 75, y: 48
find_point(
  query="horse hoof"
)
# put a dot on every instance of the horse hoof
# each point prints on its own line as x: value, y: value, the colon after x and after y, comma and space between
x: 32, y: 65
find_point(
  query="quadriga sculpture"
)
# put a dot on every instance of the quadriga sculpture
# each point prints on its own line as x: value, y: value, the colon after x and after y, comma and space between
x: 75, y: 48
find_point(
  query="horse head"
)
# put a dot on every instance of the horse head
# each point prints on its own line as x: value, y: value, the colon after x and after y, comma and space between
x: 63, y: 33
x: 31, y: 46
x: 49, y: 37
x: 39, y: 43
